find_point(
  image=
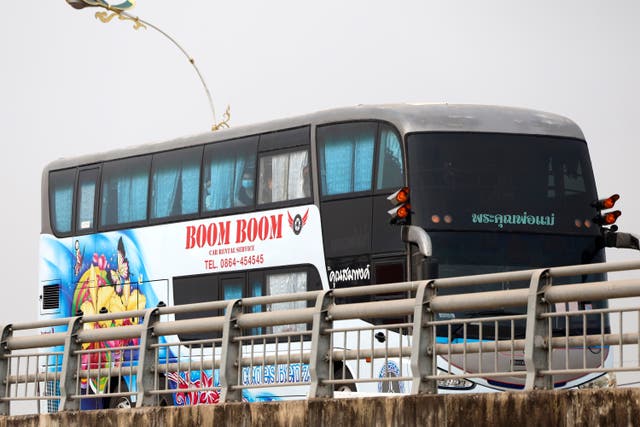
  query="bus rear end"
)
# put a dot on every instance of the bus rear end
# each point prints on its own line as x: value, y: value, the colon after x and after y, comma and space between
x: 498, y: 202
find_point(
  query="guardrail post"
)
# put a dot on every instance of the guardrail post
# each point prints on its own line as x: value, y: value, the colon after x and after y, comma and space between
x: 423, y: 342
x: 230, y: 362
x: 69, y: 365
x: 147, y: 366
x: 7, y: 331
x: 320, y: 363
x: 537, y: 339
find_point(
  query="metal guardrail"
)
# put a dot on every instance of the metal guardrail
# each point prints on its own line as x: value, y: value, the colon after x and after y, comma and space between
x: 311, y: 346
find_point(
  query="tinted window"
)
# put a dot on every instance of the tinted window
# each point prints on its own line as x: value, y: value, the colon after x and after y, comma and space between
x: 390, y: 163
x: 61, y: 199
x: 87, y: 184
x: 175, y: 179
x: 346, y: 157
x: 229, y: 174
x: 125, y: 186
x: 285, y: 139
x: 284, y: 176
x: 235, y: 285
x: 501, y: 182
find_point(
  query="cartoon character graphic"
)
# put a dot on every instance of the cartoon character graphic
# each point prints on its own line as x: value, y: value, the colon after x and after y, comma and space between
x: 102, y: 289
x: 79, y: 258
x: 121, y: 274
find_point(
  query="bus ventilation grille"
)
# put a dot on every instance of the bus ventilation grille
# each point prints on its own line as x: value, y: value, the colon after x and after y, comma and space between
x: 51, y: 297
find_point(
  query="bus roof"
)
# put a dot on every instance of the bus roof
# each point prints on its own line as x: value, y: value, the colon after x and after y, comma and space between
x: 408, y: 118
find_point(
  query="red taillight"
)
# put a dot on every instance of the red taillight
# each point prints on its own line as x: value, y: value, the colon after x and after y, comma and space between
x: 403, y: 211
x: 607, y: 203
x: 610, y: 202
x: 611, y: 217
x: 400, y: 196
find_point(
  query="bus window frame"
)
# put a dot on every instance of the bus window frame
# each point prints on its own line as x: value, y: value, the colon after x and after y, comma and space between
x: 287, y: 202
x: 51, y: 202
x: 373, y: 191
x: 77, y: 231
x: 388, y: 190
x: 174, y: 218
x: 202, y: 212
x: 122, y: 225
x: 311, y: 271
x: 284, y: 138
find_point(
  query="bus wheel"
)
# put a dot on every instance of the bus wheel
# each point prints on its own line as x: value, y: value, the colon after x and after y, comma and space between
x: 120, y: 402
x: 338, y: 374
x: 164, y: 399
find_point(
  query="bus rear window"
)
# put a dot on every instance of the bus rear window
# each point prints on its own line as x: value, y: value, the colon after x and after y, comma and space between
x: 501, y: 182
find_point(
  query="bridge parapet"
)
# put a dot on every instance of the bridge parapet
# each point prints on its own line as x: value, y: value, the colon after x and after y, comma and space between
x: 600, y: 407
x: 411, y: 343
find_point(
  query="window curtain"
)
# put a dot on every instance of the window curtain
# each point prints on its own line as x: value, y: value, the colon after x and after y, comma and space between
x: 87, y: 202
x: 297, y: 162
x: 237, y: 179
x: 232, y: 291
x: 226, y: 181
x: 132, y: 198
x: 363, y: 162
x: 285, y: 284
x: 338, y: 166
x: 190, y: 183
x: 178, y: 183
x: 221, y: 173
x: 63, y: 201
x: 347, y: 161
x: 279, y: 173
x: 165, y: 183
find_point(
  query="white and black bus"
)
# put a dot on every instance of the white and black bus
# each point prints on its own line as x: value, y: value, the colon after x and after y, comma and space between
x: 302, y: 204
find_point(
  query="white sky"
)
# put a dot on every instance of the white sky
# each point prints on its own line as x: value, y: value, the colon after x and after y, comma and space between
x: 72, y: 85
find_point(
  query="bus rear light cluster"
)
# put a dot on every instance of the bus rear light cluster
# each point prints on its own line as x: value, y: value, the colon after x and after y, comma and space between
x: 606, y: 218
x: 607, y: 203
x: 400, y: 213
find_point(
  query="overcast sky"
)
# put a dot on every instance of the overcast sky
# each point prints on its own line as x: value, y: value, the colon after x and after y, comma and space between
x: 72, y: 85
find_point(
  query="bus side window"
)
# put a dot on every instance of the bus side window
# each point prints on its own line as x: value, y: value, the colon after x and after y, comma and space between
x: 390, y: 165
x: 288, y: 282
x: 125, y: 185
x: 284, y: 176
x: 61, y: 199
x: 346, y: 157
x: 229, y: 174
x: 175, y: 178
x: 87, y: 183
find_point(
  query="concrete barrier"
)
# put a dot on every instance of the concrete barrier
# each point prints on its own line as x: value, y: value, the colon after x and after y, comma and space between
x: 600, y: 407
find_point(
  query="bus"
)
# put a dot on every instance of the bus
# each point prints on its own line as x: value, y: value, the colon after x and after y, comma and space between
x: 302, y: 204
